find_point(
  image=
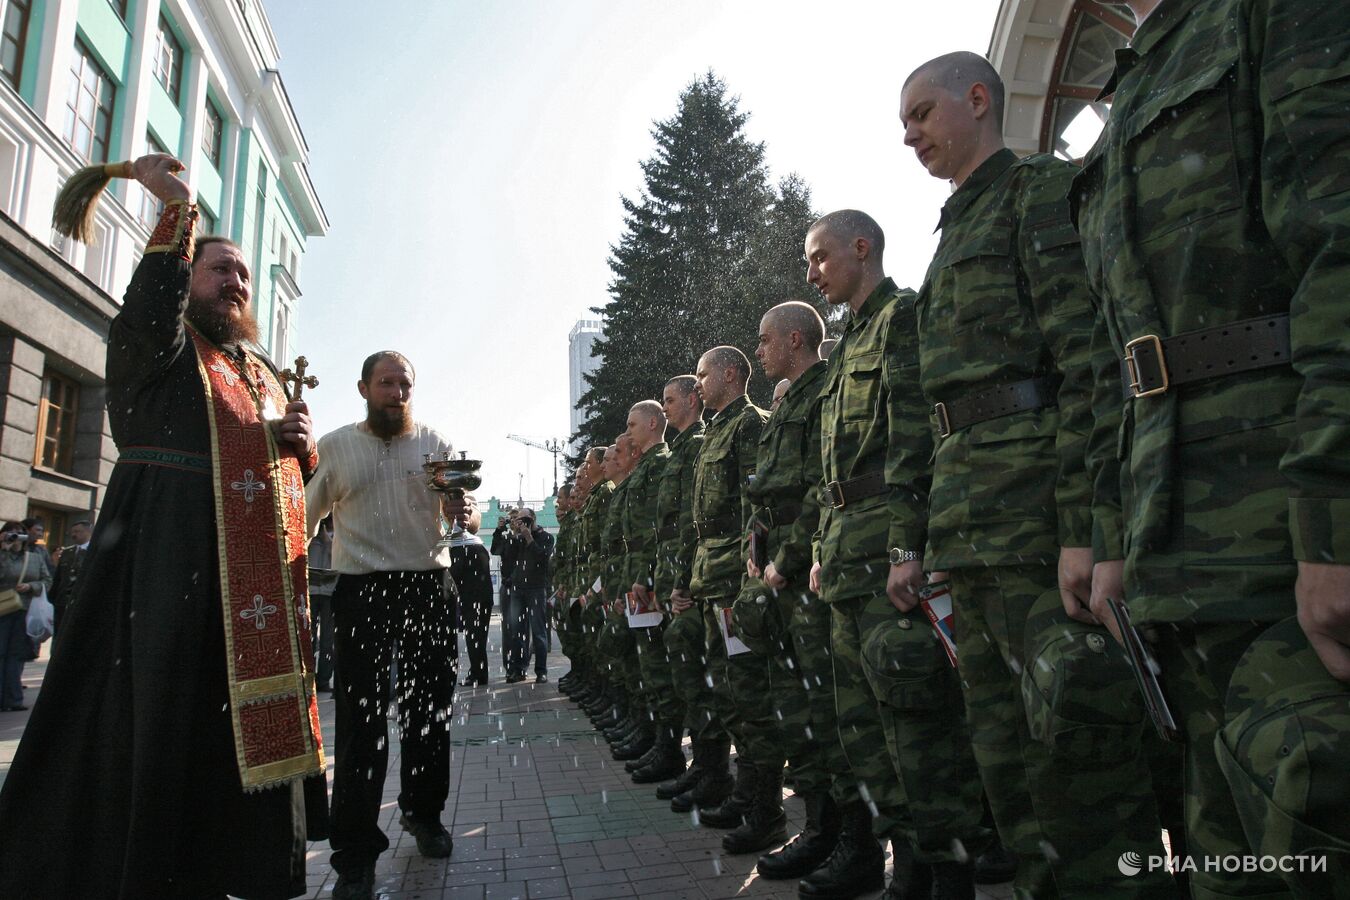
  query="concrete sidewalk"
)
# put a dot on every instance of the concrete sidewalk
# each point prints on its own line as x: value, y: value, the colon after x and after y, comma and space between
x: 537, y: 808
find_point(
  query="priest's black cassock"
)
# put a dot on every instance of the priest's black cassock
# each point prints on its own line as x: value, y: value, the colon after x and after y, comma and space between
x: 127, y: 782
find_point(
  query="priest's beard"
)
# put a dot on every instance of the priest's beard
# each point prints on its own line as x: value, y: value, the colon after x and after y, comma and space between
x: 388, y: 423
x: 219, y: 329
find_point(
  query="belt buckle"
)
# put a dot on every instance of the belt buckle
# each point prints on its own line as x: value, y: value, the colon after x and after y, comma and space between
x: 944, y: 421
x: 836, y: 494
x: 1133, y: 367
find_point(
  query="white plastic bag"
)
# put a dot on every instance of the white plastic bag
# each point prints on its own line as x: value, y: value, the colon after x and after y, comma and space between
x: 41, y: 617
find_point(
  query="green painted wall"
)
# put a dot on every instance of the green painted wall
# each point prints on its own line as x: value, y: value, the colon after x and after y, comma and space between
x: 32, y: 50
x: 108, y: 40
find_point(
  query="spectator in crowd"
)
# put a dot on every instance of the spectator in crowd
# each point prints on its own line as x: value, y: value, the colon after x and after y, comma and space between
x: 322, y: 580
x: 37, y: 541
x: 70, y: 561
x: 505, y: 546
x: 24, y: 571
x: 529, y: 587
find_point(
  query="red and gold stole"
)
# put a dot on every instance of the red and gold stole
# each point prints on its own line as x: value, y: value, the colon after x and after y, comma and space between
x: 261, y: 531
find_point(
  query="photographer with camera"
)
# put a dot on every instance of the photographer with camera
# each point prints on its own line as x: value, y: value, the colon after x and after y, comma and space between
x: 22, y: 573
x: 529, y: 606
x: 505, y: 547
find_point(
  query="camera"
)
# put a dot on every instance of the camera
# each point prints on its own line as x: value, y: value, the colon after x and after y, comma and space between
x: 12, y: 536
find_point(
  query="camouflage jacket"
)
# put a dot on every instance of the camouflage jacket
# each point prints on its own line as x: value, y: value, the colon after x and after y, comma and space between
x: 1220, y: 191
x: 563, y: 550
x: 1004, y: 301
x: 787, y: 476
x: 675, y: 510
x: 720, y: 505
x: 611, y: 543
x: 590, y: 549
x: 639, y: 517
x: 873, y: 419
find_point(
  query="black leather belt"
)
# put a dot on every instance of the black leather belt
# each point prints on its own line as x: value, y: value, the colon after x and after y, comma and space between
x: 1152, y: 364
x: 668, y: 532
x: 720, y: 526
x: 995, y: 403
x: 781, y: 515
x: 841, y: 493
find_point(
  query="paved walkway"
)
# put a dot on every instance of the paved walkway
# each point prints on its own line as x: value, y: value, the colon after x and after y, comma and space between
x: 538, y: 809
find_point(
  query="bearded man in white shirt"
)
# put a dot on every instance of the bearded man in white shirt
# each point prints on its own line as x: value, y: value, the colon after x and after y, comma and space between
x: 390, y: 599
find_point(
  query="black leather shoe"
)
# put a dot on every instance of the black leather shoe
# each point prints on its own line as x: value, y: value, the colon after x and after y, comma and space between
x: 855, y: 867
x: 355, y: 885
x: 804, y: 853
x: 634, y: 764
x: 995, y: 865
x: 472, y: 682
x: 640, y: 744
x: 711, y: 789
x: 682, y: 783
x: 515, y: 678
x: 433, y: 841
x: 540, y: 678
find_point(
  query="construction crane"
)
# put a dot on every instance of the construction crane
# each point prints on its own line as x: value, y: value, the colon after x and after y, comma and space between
x: 552, y: 445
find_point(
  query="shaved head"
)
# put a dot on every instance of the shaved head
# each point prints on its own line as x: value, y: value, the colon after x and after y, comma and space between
x: 727, y: 357
x: 956, y: 72
x: 647, y: 410
x: 802, y: 318
x: 847, y: 225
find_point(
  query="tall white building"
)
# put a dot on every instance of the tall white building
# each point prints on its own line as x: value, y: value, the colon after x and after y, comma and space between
x: 580, y: 361
x: 92, y: 81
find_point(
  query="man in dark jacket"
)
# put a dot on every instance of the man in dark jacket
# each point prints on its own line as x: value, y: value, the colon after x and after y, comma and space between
x: 529, y: 583
x: 505, y: 548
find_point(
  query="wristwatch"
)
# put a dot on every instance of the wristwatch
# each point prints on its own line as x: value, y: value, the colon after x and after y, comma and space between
x: 900, y: 557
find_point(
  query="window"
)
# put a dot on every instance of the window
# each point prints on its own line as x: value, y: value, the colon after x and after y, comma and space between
x: 119, y: 7
x: 281, y: 330
x: 151, y: 206
x: 169, y: 60
x: 259, y: 214
x: 206, y: 221
x: 56, y: 423
x: 15, y: 33
x: 89, y: 107
x: 212, y: 129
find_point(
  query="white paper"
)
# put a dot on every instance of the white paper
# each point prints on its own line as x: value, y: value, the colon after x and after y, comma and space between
x: 735, y: 646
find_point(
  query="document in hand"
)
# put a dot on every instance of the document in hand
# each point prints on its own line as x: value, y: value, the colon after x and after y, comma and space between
x: 936, y: 600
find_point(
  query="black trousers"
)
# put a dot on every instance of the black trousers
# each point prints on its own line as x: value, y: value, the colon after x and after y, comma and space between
x: 471, y: 569
x: 376, y: 616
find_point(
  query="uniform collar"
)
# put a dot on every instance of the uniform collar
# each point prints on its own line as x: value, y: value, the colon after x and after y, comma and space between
x: 814, y: 373
x: 985, y: 174
x: 874, y: 302
x: 695, y: 428
x: 1160, y: 23
x: 731, y: 409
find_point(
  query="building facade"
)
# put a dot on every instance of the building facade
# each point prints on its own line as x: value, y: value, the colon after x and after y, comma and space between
x: 1054, y: 56
x: 581, y: 361
x: 91, y: 81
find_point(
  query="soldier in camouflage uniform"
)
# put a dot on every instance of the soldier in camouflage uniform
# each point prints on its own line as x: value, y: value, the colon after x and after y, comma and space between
x: 614, y: 641
x: 778, y: 610
x: 686, y: 697
x: 561, y: 575
x: 1215, y: 218
x: 590, y: 559
x: 576, y: 683
x: 721, y: 510
x: 1005, y: 324
x: 646, y: 435
x: 898, y: 702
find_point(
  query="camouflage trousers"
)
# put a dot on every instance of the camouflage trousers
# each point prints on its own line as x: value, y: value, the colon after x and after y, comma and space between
x: 687, y: 648
x: 902, y: 726
x: 1267, y: 756
x: 802, y: 685
x: 1057, y: 726
x: 658, y: 682
x: 724, y: 713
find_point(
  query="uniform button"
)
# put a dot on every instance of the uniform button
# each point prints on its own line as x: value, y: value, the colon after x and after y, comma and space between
x: 906, y: 624
x: 1097, y: 643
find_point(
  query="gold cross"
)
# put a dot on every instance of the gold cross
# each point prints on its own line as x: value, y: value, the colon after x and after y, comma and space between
x: 297, y: 378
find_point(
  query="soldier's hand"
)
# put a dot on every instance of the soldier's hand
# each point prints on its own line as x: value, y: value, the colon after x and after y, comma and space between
x: 903, y: 584
x: 1075, y: 584
x: 751, y: 569
x: 297, y: 427
x: 773, y: 578
x: 680, y: 601
x: 1108, y: 583
x: 1323, y: 595
x: 159, y: 173
x: 813, y: 579
x: 639, y: 592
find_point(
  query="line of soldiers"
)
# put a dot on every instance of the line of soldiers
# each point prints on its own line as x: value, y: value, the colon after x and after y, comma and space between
x: 1124, y: 381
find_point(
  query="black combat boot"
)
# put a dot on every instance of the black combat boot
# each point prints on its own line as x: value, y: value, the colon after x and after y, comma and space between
x: 665, y: 761
x: 634, y: 764
x: 686, y: 781
x: 639, y: 743
x: 731, y: 811
x: 714, y: 783
x: 855, y: 867
x: 622, y: 730
x: 953, y: 881
x: 765, y: 822
x: 804, y: 854
x: 910, y: 879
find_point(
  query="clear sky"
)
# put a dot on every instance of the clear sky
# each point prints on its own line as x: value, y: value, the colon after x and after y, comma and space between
x: 471, y: 157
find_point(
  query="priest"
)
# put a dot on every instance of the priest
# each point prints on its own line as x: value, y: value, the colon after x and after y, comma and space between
x: 174, y: 751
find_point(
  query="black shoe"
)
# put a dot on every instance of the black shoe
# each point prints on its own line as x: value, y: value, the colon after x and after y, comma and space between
x: 540, y: 678
x: 355, y: 885
x: 765, y: 822
x: 634, y: 764
x: 473, y: 682
x: 731, y: 811
x: 804, y: 853
x: 514, y: 678
x: 711, y: 789
x: 667, y: 761
x: 682, y: 783
x: 433, y: 841
x: 642, y: 742
x: 855, y: 867
x: 995, y: 865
